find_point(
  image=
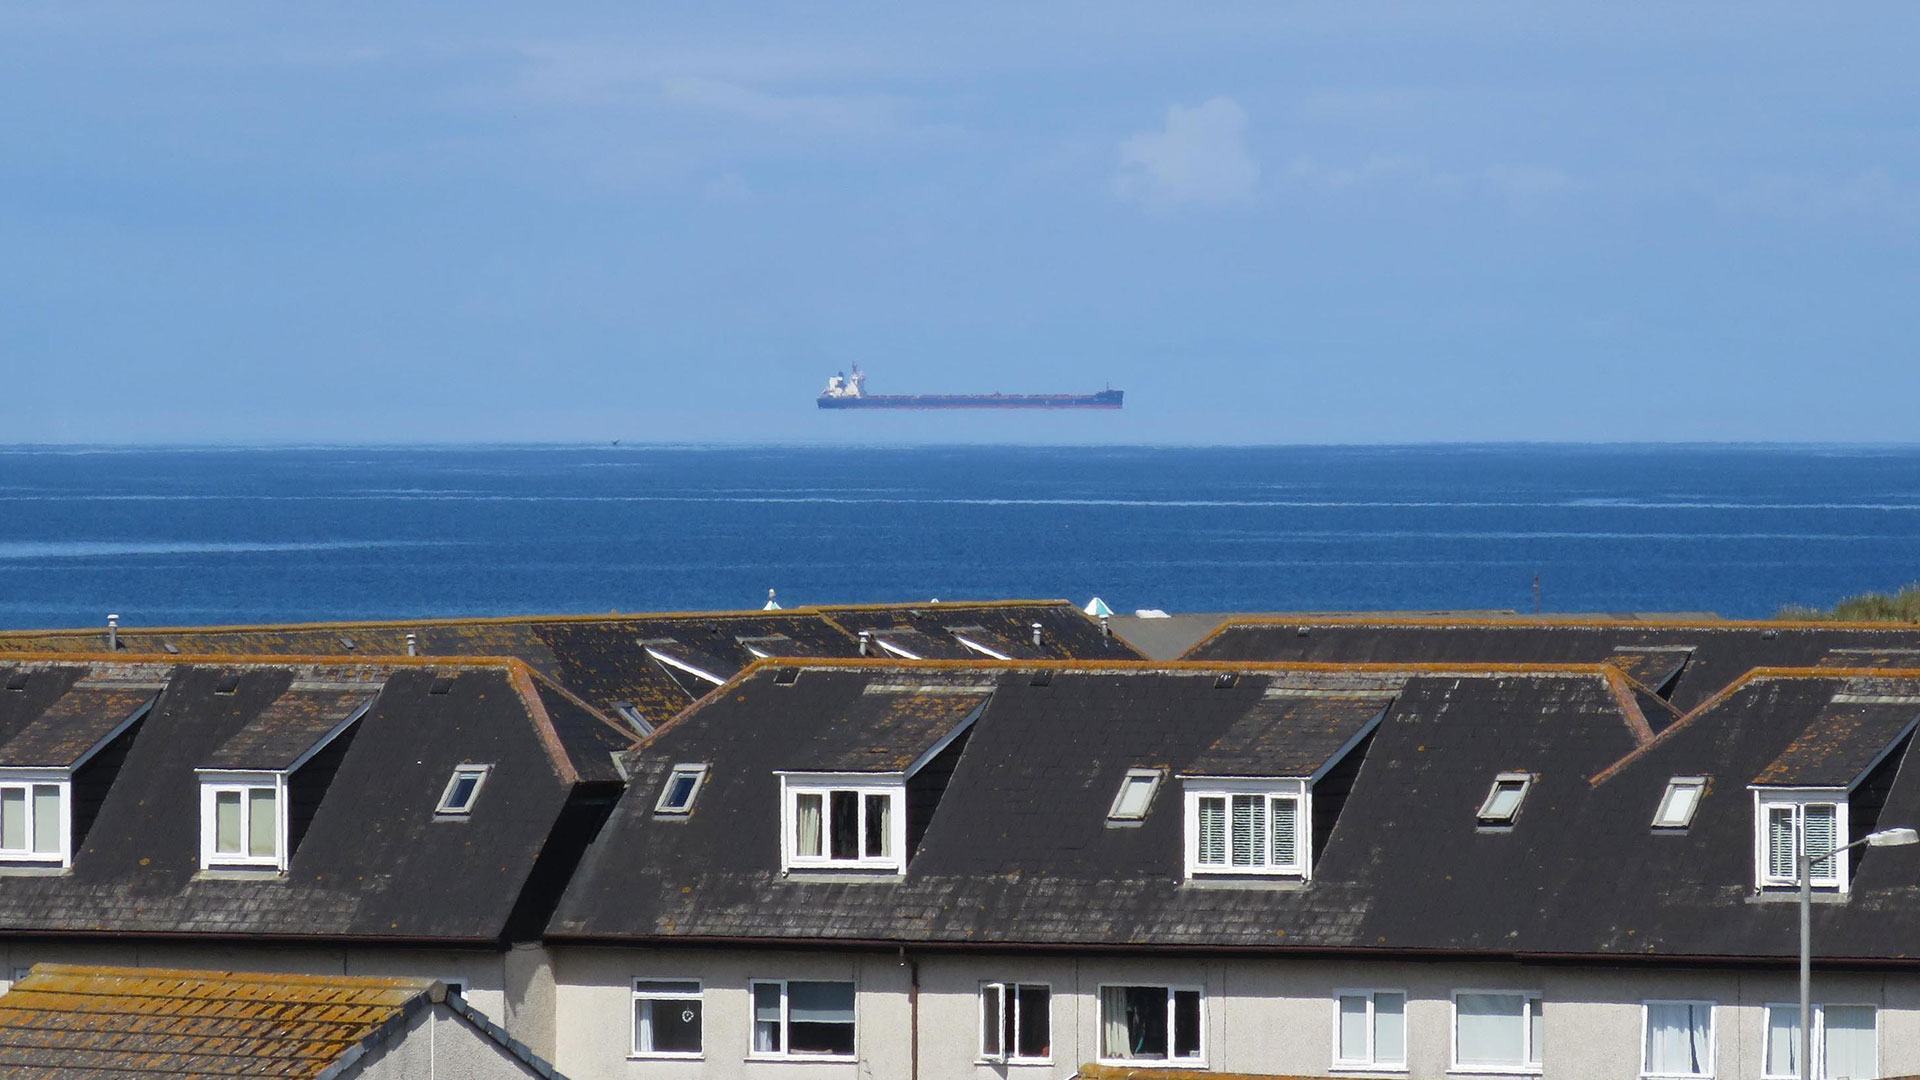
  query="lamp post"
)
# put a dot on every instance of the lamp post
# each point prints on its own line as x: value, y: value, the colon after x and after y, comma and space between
x: 1883, y: 838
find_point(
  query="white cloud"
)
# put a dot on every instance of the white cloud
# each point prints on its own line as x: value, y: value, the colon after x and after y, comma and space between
x: 1200, y: 156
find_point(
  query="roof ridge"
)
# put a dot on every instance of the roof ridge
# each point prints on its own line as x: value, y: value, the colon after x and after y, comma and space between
x: 279, y: 660
x: 1552, y: 621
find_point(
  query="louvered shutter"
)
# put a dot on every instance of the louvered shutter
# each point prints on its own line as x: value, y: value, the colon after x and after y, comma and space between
x: 1780, y: 843
x: 1249, y: 830
x: 1286, y: 832
x: 1213, y: 831
x: 1820, y: 823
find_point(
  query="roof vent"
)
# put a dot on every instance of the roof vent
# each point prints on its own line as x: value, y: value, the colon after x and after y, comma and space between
x: 866, y: 642
x: 113, y: 632
x: 1043, y: 677
x: 1036, y: 635
x: 786, y: 676
x: 17, y: 681
x: 1225, y: 681
x: 413, y: 643
x: 1302, y: 631
x: 347, y: 643
x: 170, y: 648
x: 1769, y: 634
x: 441, y: 686
x: 1106, y: 628
x: 228, y: 685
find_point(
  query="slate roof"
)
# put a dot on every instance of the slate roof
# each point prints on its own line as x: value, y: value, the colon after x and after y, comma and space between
x: 1711, y: 654
x: 1291, y: 732
x: 603, y: 659
x: 58, y: 734
x: 373, y: 861
x: 66, y: 1021
x: 1017, y: 852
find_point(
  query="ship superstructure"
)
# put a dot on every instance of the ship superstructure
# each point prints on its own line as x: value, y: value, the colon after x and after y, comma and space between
x: 848, y: 390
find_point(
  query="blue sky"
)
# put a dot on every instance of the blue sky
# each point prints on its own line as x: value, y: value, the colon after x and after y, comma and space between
x: 1268, y: 223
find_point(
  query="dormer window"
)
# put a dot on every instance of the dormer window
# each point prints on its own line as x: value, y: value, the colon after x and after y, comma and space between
x: 855, y: 822
x: 33, y: 817
x: 1238, y: 826
x: 1677, y: 805
x: 676, y: 795
x: 1503, y: 800
x: 241, y: 820
x: 1790, y: 824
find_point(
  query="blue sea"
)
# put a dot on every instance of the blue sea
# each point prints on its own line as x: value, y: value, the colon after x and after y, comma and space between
x: 171, y: 536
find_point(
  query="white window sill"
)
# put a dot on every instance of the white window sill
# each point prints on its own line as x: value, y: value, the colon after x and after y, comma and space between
x: 665, y: 1055
x: 995, y: 1062
x: 1355, y: 1068
x: 1155, y: 1063
x: 807, y: 1059
x: 1495, y: 1070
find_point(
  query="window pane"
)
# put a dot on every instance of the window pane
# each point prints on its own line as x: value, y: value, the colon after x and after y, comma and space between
x: 1783, y: 1040
x: 1286, y: 838
x: 879, y: 826
x: 1033, y: 1038
x: 806, y: 826
x: 46, y: 819
x: 1390, y: 1029
x: 1780, y: 843
x: 843, y: 824
x: 675, y: 1025
x: 262, y: 824
x: 679, y: 790
x: 1678, y: 1037
x: 1133, y: 1021
x: 1249, y: 830
x: 1852, y: 1046
x: 226, y: 822
x: 1353, y: 1027
x: 1490, y: 1029
x: 820, y: 1017
x: 766, y: 1011
x: 1677, y: 807
x: 991, y: 1022
x: 1819, y: 823
x: 1134, y: 792
x: 667, y: 987
x: 1186, y: 1023
x: 13, y: 818
x: 1536, y: 1030
x: 462, y: 792
x: 1213, y: 831
x: 1504, y: 801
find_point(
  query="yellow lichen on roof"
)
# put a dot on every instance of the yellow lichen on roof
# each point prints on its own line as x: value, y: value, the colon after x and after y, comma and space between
x: 65, y: 1019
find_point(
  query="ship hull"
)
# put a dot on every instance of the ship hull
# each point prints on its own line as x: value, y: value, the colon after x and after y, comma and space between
x: 1106, y: 399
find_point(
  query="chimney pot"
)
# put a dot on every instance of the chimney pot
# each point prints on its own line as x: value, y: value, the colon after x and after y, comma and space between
x: 413, y: 644
x: 1036, y: 635
x: 113, y: 631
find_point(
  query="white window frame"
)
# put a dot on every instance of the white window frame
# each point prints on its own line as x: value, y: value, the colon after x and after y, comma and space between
x: 212, y: 783
x: 1371, y: 1062
x: 696, y: 770
x: 891, y: 785
x: 1299, y: 790
x: 1198, y: 1061
x: 1713, y: 1039
x: 479, y: 773
x: 1699, y: 786
x: 28, y: 779
x: 1009, y: 1000
x: 633, y: 1018
x: 786, y: 1051
x: 1483, y: 817
x: 1819, y: 1033
x: 1832, y: 874
x: 1153, y: 779
x: 1534, y: 1059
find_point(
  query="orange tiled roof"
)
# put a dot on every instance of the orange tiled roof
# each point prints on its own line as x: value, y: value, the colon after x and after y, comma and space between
x: 107, y: 1021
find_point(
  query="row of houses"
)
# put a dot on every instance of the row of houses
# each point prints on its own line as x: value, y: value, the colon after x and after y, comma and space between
x: 1438, y: 848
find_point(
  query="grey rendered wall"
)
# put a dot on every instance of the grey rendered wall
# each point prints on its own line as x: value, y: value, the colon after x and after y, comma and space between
x: 438, y: 1045
x: 1261, y: 1016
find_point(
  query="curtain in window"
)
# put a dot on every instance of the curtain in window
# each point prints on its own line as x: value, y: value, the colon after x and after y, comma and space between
x: 1213, y: 831
x: 1780, y: 842
x: 1678, y: 1037
x: 1249, y: 830
x: 1286, y: 839
x: 766, y: 1004
x: 643, y: 1026
x: 13, y: 818
x: 879, y: 826
x: 46, y: 819
x: 1490, y: 1029
x: 1783, y: 1040
x: 226, y: 822
x: 262, y: 824
x: 1353, y: 1027
x: 1852, y: 1046
x: 1820, y: 824
x: 806, y: 825
x: 1034, y: 1037
x: 1114, y: 1042
x: 1390, y: 1029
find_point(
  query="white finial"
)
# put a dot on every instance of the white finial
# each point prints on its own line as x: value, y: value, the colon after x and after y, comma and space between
x: 772, y: 604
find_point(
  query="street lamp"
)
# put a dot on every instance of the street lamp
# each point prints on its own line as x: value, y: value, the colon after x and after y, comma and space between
x: 1883, y: 838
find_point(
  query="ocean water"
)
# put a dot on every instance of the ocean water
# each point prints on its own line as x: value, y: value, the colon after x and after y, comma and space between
x: 170, y: 536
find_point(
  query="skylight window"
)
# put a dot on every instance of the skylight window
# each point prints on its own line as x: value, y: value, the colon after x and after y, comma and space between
x: 1136, y: 794
x: 1503, y: 799
x: 463, y: 789
x: 1678, y: 804
x: 631, y: 714
x: 683, y: 783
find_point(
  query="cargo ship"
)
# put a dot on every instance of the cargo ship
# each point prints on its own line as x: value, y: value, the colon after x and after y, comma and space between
x: 849, y: 391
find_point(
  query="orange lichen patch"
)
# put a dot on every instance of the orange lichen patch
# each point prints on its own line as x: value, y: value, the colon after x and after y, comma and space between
x: 64, y: 1019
